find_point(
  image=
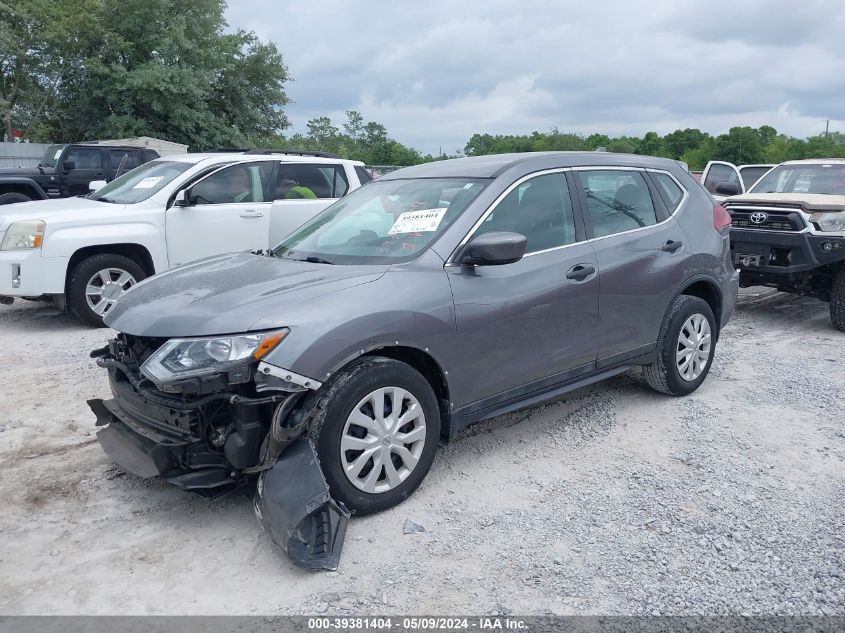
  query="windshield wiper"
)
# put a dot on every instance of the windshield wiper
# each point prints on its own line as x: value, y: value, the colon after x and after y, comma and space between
x: 104, y: 199
x: 317, y: 260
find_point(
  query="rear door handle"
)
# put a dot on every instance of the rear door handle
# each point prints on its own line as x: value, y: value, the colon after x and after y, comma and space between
x: 580, y: 272
x: 252, y: 214
x: 672, y: 245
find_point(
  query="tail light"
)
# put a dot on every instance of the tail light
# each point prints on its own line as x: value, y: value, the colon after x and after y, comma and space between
x: 721, y: 218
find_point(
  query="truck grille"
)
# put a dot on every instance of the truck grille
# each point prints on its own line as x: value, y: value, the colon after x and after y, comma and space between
x: 766, y: 219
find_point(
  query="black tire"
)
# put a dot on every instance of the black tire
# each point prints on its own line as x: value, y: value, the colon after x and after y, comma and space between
x: 333, y: 403
x: 13, y: 197
x: 837, y: 300
x: 663, y: 374
x: 83, y: 271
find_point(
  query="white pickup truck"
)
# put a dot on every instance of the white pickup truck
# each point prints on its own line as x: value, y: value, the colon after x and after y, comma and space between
x: 84, y: 252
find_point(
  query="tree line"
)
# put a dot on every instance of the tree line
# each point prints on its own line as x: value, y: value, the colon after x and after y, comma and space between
x: 740, y: 145
x: 77, y: 70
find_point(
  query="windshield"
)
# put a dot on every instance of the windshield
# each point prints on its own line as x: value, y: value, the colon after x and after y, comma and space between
x: 823, y: 178
x: 142, y: 182
x: 384, y: 222
x: 52, y: 155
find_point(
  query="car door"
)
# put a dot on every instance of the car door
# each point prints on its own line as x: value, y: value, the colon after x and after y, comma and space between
x: 717, y: 172
x: 532, y: 323
x: 80, y: 166
x: 642, y: 254
x: 303, y: 190
x: 227, y: 210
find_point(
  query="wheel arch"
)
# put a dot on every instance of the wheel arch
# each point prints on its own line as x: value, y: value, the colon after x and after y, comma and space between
x: 421, y: 360
x: 706, y: 288
x: 25, y: 186
x: 136, y: 252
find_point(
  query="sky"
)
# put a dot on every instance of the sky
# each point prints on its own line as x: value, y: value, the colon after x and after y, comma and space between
x: 436, y: 72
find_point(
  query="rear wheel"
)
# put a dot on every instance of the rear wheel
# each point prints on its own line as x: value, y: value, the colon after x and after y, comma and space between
x: 12, y: 197
x: 685, y: 348
x: 375, y: 432
x: 97, y: 282
x: 837, y: 300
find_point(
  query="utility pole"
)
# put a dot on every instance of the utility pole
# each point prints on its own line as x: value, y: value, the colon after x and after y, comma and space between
x: 827, y: 128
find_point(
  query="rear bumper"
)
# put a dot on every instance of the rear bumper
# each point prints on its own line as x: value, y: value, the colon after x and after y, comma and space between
x: 784, y: 253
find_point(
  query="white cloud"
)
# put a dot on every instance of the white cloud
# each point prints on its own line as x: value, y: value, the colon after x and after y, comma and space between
x: 435, y: 73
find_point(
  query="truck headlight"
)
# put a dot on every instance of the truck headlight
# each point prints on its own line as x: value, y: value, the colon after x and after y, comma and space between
x: 23, y: 235
x: 834, y: 221
x: 182, y: 358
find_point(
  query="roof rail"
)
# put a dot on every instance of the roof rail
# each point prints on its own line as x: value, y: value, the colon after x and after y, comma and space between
x: 293, y: 152
x: 228, y: 150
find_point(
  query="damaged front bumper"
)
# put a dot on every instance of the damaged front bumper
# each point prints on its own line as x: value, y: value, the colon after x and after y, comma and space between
x: 214, y: 442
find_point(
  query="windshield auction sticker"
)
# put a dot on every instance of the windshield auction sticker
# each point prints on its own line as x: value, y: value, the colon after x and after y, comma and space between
x: 148, y: 183
x: 419, y: 221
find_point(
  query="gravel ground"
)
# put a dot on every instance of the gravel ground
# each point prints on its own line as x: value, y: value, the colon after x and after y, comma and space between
x: 614, y: 501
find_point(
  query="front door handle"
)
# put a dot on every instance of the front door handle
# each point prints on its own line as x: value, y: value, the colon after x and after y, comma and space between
x: 672, y: 245
x: 252, y: 214
x: 580, y: 272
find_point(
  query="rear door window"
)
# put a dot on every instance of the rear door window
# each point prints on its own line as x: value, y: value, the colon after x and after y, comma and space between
x: 617, y: 200
x: 304, y: 181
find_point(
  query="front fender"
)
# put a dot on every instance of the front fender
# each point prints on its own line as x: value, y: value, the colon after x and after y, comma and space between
x: 64, y: 241
x: 25, y: 182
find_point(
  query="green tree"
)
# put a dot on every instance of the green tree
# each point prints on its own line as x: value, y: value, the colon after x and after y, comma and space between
x: 163, y: 68
x: 680, y: 141
x: 741, y: 145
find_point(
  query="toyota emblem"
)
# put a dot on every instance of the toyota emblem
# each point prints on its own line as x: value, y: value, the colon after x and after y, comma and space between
x: 758, y: 217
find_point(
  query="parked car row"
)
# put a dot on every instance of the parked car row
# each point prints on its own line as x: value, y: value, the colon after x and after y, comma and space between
x: 356, y: 324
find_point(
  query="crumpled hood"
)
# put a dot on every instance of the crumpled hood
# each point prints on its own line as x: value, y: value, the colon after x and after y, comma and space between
x: 229, y: 293
x: 60, y: 209
x: 809, y: 201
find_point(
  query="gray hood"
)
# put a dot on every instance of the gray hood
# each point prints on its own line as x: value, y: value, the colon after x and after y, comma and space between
x: 227, y: 294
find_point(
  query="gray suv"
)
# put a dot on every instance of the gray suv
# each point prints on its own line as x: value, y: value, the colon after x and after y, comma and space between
x: 433, y: 297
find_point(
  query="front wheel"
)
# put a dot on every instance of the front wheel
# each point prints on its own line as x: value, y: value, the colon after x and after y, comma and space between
x: 837, y: 300
x: 375, y: 431
x: 685, y: 348
x: 97, y: 282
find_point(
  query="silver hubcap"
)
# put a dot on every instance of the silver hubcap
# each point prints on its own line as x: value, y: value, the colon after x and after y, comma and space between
x: 382, y: 439
x: 693, y: 347
x: 105, y: 287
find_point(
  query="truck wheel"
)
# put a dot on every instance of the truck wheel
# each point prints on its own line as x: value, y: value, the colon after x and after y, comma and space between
x: 837, y: 300
x: 11, y: 198
x: 375, y: 430
x: 97, y: 282
x: 685, y: 348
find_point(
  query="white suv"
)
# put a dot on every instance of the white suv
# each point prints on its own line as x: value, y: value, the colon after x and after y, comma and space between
x: 85, y: 252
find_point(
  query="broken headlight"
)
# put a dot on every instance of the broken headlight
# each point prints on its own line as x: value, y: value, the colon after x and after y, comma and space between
x: 181, y: 358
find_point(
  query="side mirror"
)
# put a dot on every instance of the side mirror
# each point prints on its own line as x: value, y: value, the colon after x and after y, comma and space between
x: 96, y: 185
x: 68, y: 165
x: 494, y: 249
x: 727, y: 188
x: 181, y: 199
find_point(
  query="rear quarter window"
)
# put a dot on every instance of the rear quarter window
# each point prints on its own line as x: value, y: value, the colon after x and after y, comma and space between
x: 669, y: 189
